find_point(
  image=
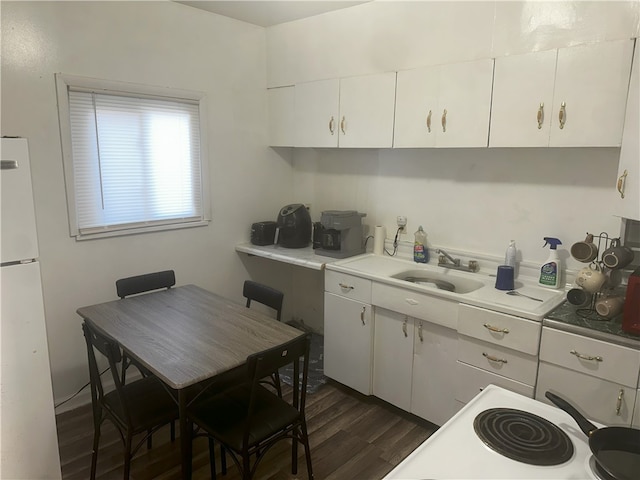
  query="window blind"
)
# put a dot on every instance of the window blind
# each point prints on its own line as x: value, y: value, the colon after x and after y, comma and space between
x: 136, y: 160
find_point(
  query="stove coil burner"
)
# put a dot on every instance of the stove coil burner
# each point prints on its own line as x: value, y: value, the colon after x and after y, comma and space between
x: 523, y: 436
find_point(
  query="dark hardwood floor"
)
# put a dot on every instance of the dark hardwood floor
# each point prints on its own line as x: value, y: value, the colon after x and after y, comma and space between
x: 352, y: 437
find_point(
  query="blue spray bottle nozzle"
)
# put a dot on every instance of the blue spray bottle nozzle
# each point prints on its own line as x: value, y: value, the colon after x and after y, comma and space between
x: 552, y: 242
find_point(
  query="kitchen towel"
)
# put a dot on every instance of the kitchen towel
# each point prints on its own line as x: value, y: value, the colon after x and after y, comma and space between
x: 379, y: 235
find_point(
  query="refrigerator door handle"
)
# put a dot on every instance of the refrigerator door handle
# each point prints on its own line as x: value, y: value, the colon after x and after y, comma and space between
x: 9, y: 164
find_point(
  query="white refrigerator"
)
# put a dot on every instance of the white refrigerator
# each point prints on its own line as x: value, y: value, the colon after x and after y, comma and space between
x: 28, y: 437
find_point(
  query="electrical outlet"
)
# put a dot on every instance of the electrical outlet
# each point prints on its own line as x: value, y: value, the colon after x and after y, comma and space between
x: 401, y: 221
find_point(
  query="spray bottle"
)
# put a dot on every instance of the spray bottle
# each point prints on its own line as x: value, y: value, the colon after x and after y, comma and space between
x: 551, y: 269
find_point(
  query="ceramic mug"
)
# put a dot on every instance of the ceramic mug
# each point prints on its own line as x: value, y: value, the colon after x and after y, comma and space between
x: 591, y: 278
x: 578, y: 297
x: 586, y: 251
x: 610, y: 306
x: 617, y: 256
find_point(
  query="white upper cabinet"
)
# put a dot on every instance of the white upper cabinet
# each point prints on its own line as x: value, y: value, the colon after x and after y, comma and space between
x: 522, y: 100
x: 444, y: 105
x: 627, y: 203
x: 281, y: 114
x: 570, y: 97
x: 353, y: 112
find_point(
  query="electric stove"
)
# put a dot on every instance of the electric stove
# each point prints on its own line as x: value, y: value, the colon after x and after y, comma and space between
x: 500, y: 434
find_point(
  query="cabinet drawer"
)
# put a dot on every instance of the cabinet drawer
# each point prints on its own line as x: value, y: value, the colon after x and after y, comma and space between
x: 470, y: 381
x: 590, y: 356
x: 499, y: 328
x: 605, y: 402
x: 496, y: 359
x: 415, y: 304
x: 349, y: 286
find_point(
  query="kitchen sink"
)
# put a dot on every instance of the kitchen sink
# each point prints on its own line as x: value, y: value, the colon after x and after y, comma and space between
x: 445, y: 282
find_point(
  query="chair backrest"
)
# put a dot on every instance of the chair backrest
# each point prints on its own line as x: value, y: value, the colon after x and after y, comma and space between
x: 145, y: 283
x: 108, y: 348
x: 262, y: 364
x: 263, y: 294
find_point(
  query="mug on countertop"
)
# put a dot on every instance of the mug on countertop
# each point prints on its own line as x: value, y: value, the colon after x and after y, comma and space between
x: 578, y: 297
x: 610, y: 306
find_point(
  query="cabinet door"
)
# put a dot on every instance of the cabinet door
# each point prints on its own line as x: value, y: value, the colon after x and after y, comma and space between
x: 464, y: 101
x: 522, y: 100
x: 590, y: 94
x: 434, y: 372
x: 416, y: 108
x: 393, y: 358
x: 348, y: 334
x: 281, y: 116
x: 600, y: 400
x: 627, y: 203
x: 316, y: 113
x: 636, y: 412
x: 366, y: 111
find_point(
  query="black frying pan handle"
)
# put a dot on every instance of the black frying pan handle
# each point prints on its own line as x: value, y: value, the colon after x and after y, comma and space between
x: 585, y: 425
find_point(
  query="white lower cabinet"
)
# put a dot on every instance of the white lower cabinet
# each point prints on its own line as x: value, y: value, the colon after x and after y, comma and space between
x: 599, y: 378
x: 393, y: 358
x: 636, y: 412
x: 495, y: 348
x: 434, y: 372
x: 348, y: 341
x: 414, y: 363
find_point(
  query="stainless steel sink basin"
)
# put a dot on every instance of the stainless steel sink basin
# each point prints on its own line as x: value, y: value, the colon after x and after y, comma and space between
x: 448, y: 283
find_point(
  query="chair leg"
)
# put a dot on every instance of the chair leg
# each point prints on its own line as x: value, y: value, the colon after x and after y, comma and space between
x: 223, y: 459
x: 294, y: 455
x: 246, y: 466
x: 212, y: 458
x: 127, y: 456
x: 94, y: 453
x: 149, y: 440
x: 173, y: 430
x: 307, y: 449
x: 276, y: 381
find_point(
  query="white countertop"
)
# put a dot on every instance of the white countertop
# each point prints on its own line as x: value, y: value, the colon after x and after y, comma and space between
x: 382, y: 268
x: 304, y: 257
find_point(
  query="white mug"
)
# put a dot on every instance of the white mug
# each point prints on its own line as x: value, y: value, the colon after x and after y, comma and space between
x: 610, y: 306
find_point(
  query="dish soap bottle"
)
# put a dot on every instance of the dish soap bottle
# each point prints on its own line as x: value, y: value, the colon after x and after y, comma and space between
x: 510, y: 255
x: 550, y: 270
x: 420, y: 251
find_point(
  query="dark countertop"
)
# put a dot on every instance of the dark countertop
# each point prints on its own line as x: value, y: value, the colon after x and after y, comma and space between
x: 566, y: 317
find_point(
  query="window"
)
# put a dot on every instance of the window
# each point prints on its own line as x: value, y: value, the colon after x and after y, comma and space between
x: 133, y: 157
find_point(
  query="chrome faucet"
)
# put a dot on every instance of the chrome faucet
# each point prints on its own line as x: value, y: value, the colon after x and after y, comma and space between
x: 455, y: 262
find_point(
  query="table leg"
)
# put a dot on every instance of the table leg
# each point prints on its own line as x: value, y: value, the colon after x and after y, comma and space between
x: 185, y: 435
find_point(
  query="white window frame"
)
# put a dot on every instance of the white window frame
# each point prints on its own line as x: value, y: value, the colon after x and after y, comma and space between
x: 63, y: 83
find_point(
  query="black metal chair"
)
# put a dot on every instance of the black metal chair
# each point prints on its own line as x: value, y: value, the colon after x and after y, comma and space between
x: 271, y: 298
x: 263, y: 294
x: 142, y: 406
x: 248, y: 419
x: 144, y: 283
x: 147, y: 282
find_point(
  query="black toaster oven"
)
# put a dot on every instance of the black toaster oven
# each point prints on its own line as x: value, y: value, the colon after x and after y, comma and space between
x: 263, y: 233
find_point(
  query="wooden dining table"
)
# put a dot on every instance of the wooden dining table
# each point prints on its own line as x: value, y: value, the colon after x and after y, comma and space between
x: 186, y: 336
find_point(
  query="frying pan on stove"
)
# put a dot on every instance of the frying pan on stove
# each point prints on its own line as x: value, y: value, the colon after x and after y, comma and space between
x: 616, y: 449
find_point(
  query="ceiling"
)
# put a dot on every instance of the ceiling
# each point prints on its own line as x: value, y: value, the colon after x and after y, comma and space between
x: 266, y: 13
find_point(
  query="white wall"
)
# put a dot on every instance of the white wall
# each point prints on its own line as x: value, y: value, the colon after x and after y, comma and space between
x: 157, y: 43
x: 474, y: 200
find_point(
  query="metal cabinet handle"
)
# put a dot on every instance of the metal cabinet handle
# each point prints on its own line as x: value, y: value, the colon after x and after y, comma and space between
x: 622, y: 182
x: 331, y: 122
x: 364, y: 309
x: 493, y: 359
x: 429, y: 122
x: 9, y: 164
x: 404, y: 327
x: 495, y: 329
x: 562, y: 114
x: 540, y: 115
x: 585, y: 357
x: 342, y: 123
x: 619, y: 402
x: 344, y: 286
x: 420, y: 332
x: 444, y: 120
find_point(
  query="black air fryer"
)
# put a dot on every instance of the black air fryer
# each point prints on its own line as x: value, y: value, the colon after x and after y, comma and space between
x: 294, y: 223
